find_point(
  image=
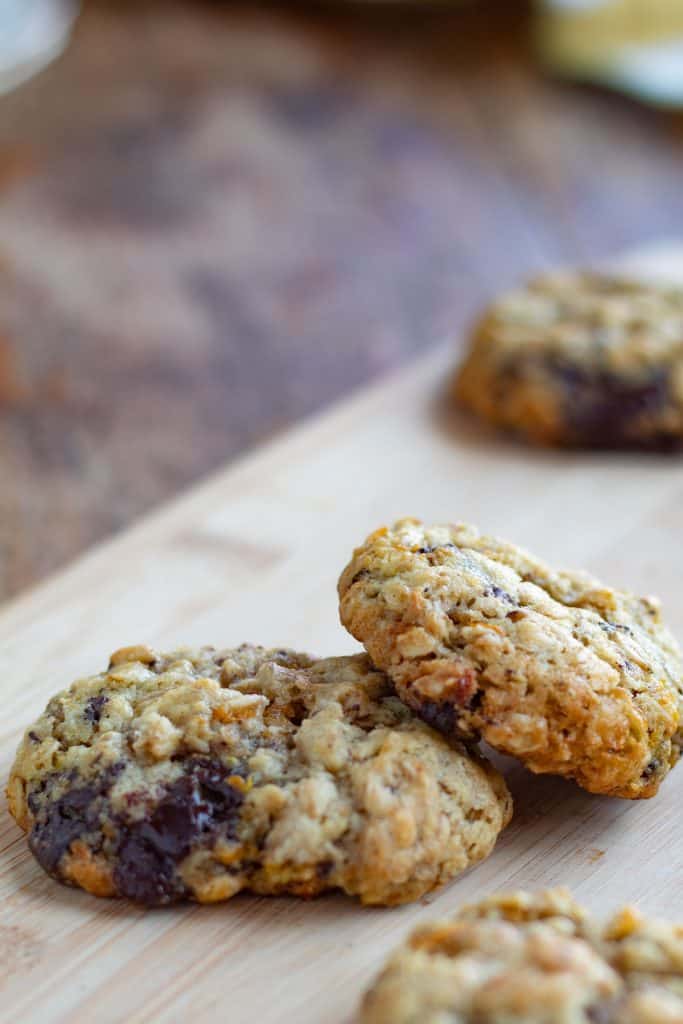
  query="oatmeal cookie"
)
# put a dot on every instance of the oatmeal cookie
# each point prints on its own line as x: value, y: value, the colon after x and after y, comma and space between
x: 648, y: 955
x: 532, y: 959
x: 582, y: 359
x: 200, y: 773
x: 514, y: 959
x: 555, y: 668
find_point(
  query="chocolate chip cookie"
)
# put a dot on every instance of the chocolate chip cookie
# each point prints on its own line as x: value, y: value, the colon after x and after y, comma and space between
x: 581, y: 359
x: 555, y: 668
x: 200, y: 773
x: 524, y: 959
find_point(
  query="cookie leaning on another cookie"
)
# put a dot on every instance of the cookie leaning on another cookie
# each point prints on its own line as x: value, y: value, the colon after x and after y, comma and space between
x: 582, y: 359
x: 200, y: 773
x: 532, y: 959
x: 555, y: 668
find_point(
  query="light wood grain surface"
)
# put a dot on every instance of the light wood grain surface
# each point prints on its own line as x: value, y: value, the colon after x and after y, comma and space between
x: 254, y: 555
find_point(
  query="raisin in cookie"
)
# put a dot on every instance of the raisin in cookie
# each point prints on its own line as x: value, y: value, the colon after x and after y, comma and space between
x: 581, y: 359
x: 483, y: 639
x: 200, y: 773
x: 523, y: 959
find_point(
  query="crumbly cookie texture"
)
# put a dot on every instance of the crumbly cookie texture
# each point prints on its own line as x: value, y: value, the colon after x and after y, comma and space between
x: 581, y: 359
x: 555, y: 668
x: 648, y: 955
x: 532, y: 959
x: 200, y: 773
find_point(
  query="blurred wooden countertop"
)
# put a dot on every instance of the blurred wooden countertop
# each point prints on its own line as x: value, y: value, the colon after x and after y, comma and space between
x: 216, y: 218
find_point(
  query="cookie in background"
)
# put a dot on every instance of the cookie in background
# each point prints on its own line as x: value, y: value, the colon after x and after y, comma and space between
x: 580, y: 359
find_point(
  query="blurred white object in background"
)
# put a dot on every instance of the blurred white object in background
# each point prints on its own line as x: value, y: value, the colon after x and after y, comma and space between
x: 32, y: 33
x: 632, y: 45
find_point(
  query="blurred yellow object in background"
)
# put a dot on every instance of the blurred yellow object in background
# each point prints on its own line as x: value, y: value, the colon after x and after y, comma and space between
x: 633, y: 45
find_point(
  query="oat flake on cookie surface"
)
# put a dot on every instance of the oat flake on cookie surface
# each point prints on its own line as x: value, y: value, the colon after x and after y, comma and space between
x: 200, y: 773
x: 482, y: 639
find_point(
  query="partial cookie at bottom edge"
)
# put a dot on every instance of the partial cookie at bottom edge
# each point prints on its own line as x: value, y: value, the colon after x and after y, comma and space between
x: 532, y: 959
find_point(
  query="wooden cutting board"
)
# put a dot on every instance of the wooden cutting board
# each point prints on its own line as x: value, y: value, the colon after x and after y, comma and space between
x: 254, y: 554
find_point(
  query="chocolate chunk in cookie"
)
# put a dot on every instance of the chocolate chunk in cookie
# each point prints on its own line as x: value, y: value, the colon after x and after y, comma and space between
x: 197, y: 774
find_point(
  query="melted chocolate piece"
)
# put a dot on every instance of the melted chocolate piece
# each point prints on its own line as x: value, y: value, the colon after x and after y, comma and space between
x: 429, y: 549
x: 93, y: 709
x: 195, y: 810
x: 600, y: 1013
x: 651, y: 769
x: 198, y: 808
x: 601, y: 407
x: 58, y: 823
x: 495, y: 591
x: 440, y: 715
x: 323, y: 870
